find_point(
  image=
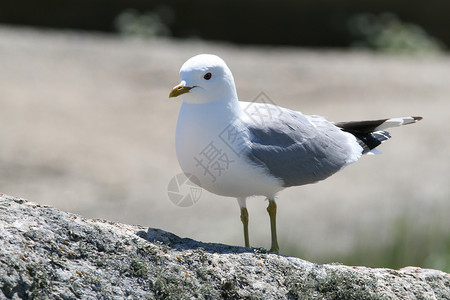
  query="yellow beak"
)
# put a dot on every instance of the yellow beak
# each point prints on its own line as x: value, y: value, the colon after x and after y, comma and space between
x: 180, y: 89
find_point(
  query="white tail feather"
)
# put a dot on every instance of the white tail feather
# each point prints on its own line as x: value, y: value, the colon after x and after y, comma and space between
x: 395, y: 122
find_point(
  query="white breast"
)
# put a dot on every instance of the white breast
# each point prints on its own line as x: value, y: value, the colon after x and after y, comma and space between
x: 211, y: 143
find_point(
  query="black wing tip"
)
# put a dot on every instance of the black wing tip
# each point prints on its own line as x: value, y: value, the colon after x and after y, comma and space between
x: 417, y: 119
x: 371, y: 140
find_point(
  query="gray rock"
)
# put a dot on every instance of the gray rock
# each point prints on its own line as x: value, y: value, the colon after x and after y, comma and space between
x: 47, y: 253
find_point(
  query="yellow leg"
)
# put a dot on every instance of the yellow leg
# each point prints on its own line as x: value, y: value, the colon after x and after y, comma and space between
x: 244, y: 219
x: 272, y: 210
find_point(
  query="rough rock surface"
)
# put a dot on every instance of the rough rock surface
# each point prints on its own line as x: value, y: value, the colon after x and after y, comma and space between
x: 48, y: 253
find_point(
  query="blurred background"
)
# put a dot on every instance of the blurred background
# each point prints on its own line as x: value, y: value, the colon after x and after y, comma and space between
x: 86, y: 124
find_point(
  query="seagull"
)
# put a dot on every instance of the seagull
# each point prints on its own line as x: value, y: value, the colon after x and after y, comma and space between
x: 243, y: 149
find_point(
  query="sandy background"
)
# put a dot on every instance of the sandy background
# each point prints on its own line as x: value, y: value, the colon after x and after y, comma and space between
x: 86, y: 125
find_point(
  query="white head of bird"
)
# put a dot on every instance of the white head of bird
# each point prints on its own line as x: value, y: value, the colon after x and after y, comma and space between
x: 205, y: 78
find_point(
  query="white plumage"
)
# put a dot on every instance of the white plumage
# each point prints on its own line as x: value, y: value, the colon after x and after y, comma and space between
x: 240, y: 149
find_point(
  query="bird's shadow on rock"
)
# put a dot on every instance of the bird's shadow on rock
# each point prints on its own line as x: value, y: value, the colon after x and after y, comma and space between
x: 175, y: 242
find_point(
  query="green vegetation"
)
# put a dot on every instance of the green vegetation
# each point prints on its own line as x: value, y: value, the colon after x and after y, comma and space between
x: 146, y: 25
x: 387, y: 33
x: 410, y: 245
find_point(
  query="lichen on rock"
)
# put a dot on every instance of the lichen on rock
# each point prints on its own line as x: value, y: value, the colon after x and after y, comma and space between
x: 48, y: 253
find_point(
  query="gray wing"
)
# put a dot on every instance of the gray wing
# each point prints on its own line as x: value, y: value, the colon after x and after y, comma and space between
x: 300, y: 149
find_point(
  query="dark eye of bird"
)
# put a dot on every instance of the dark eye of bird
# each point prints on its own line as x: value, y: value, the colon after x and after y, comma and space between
x: 207, y: 76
